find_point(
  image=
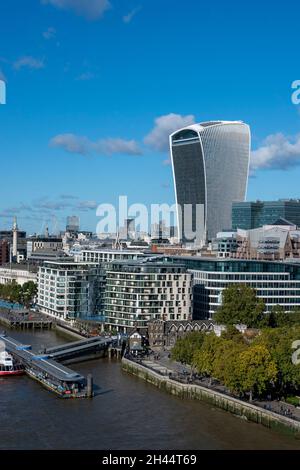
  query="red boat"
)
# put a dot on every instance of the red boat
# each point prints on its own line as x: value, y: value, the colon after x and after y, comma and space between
x: 8, y: 365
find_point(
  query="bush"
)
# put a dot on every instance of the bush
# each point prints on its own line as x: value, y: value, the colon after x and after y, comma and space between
x: 293, y: 401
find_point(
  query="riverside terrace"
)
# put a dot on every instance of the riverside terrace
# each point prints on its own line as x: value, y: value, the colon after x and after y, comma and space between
x: 24, y: 319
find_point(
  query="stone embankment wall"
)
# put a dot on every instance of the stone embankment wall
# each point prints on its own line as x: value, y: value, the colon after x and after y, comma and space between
x: 237, y: 407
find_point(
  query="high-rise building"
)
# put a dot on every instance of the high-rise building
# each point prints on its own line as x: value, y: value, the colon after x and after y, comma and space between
x: 255, y: 214
x: 142, y: 290
x: 72, y: 224
x: 70, y: 290
x: 128, y: 230
x: 210, y: 168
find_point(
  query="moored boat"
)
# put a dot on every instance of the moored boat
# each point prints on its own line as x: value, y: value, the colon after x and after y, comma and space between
x: 8, y: 366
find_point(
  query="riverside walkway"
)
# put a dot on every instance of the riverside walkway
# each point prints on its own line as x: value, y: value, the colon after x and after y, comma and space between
x: 162, y: 364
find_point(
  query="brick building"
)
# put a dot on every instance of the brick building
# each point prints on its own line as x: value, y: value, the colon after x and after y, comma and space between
x: 4, y: 252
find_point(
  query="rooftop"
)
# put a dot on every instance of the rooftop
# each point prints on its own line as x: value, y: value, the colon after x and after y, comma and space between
x: 20, y: 267
x: 199, y: 127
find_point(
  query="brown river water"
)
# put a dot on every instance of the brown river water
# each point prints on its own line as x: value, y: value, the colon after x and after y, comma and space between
x: 126, y: 413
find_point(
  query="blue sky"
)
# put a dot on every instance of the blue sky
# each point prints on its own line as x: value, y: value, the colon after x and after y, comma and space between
x: 94, y: 87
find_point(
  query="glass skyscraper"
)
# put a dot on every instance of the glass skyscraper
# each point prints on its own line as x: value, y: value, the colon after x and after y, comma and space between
x: 72, y: 223
x: 249, y: 215
x: 210, y: 168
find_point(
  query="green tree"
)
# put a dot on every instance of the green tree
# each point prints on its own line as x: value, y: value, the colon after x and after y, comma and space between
x: 279, y: 343
x: 28, y: 293
x: 225, y: 362
x: 185, y: 347
x: 205, y: 357
x: 12, y: 292
x: 241, y: 305
x: 256, y: 370
x: 232, y: 333
x: 295, y: 316
x: 278, y: 317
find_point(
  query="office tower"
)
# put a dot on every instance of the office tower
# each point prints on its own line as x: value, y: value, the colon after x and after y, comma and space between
x: 72, y: 224
x: 210, y: 168
x: 128, y: 230
x: 255, y: 214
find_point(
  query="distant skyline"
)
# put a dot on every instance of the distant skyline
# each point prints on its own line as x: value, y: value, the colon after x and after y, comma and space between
x: 95, y: 87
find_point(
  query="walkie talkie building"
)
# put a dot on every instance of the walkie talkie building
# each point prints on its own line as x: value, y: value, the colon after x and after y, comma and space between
x: 210, y: 168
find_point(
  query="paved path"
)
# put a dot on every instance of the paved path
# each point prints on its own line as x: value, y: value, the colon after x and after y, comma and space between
x: 160, y: 362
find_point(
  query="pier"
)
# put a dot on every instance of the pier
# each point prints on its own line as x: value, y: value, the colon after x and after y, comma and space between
x: 24, y: 319
x: 51, y: 374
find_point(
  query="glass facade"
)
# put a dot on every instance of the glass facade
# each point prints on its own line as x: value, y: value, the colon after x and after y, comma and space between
x: 276, y: 283
x: 70, y: 290
x: 249, y: 215
x: 190, y: 181
x: 210, y: 167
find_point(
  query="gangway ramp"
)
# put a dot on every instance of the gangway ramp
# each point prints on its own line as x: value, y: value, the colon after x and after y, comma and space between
x: 80, y: 350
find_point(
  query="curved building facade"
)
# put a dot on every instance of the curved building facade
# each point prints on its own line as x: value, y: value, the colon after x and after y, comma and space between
x: 210, y: 168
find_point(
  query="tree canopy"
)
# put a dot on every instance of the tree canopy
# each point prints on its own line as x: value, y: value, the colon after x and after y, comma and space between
x: 279, y: 343
x: 257, y: 367
x: 240, y: 305
x: 16, y: 293
x: 185, y: 347
x: 256, y: 370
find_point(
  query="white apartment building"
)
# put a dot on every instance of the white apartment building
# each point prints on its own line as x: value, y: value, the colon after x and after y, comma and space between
x: 144, y: 290
x: 106, y: 255
x: 69, y: 290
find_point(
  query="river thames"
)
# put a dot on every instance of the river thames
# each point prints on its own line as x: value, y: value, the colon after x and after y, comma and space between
x: 126, y: 413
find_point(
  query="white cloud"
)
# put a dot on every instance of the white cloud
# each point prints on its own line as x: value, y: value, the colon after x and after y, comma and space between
x: 85, y: 77
x: 111, y: 146
x: 52, y: 205
x: 28, y: 61
x: 68, y: 196
x: 72, y: 143
x: 127, y: 18
x: 50, y: 33
x: 278, y: 152
x: 84, y: 146
x: 87, y: 205
x: 90, y: 9
x: 158, y: 138
x: 44, y: 206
